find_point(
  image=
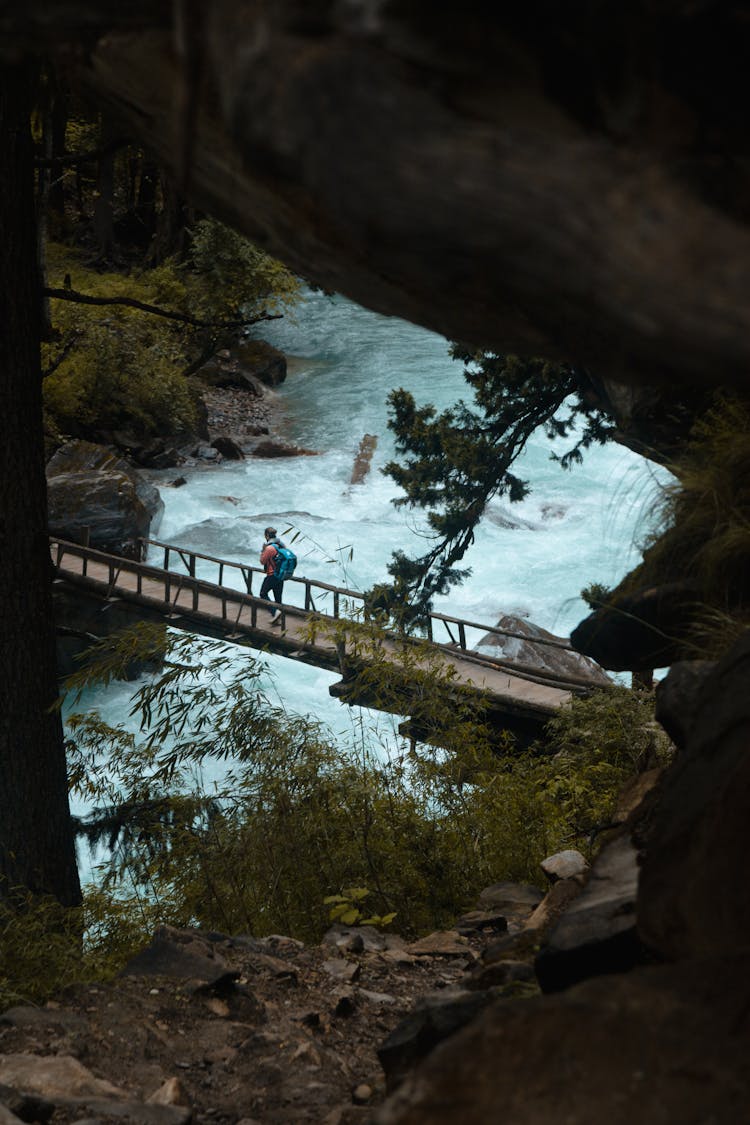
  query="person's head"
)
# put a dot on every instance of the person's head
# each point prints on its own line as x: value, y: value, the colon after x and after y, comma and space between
x: 270, y: 533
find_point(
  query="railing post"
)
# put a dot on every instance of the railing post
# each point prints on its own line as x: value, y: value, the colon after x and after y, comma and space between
x: 335, y: 603
x: 191, y: 566
x: 429, y: 628
x: 166, y: 558
x: 461, y: 635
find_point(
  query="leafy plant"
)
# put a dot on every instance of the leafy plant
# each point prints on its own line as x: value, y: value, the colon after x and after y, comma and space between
x: 420, y: 826
x: 346, y: 908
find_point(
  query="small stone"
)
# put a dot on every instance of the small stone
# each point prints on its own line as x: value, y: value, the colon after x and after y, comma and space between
x: 569, y: 864
x: 340, y: 969
x: 447, y: 943
x: 172, y: 1092
x: 376, y: 997
x: 362, y: 1094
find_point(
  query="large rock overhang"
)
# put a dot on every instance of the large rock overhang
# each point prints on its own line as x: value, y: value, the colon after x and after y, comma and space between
x: 539, y: 182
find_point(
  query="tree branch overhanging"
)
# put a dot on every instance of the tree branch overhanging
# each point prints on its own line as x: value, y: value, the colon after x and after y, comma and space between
x: 156, y: 310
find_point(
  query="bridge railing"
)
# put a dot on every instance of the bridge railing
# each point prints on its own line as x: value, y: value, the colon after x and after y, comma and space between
x: 455, y: 628
x: 174, y: 585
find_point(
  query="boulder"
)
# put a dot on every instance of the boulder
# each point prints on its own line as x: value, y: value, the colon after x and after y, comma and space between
x: 569, y: 864
x: 526, y: 652
x: 662, y: 1044
x: 271, y: 448
x: 228, y: 448
x: 677, y: 698
x: 436, y: 1016
x: 515, y: 901
x: 96, y: 497
x: 597, y: 933
x: 177, y: 953
x: 100, y: 509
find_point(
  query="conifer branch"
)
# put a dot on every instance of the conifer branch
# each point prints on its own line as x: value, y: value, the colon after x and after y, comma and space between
x: 155, y: 310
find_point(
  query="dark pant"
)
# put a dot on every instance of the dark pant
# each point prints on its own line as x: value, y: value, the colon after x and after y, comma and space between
x: 272, y: 585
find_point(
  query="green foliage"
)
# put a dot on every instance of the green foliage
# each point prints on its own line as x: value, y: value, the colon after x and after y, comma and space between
x: 596, y: 594
x: 453, y: 463
x: 292, y: 823
x: 347, y: 909
x: 230, y: 276
x: 118, y: 368
x: 124, y: 370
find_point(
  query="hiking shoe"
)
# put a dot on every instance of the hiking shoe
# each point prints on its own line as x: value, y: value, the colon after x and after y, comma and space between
x: 276, y: 618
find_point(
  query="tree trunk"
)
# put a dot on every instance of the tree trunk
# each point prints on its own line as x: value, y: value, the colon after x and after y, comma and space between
x: 36, y: 841
x: 104, y: 212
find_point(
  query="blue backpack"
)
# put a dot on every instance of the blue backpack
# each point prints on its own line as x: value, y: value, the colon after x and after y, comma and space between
x: 285, y: 561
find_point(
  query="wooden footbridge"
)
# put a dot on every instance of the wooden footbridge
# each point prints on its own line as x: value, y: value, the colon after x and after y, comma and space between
x: 175, y: 589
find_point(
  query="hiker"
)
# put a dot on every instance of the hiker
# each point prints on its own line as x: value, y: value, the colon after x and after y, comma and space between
x: 278, y: 562
x: 271, y: 584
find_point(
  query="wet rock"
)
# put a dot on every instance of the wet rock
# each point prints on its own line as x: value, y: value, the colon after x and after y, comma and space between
x: 569, y: 864
x: 228, y: 448
x: 272, y: 448
x: 526, y: 652
x: 597, y: 933
x: 86, y: 456
x: 97, y: 498
x: 206, y: 453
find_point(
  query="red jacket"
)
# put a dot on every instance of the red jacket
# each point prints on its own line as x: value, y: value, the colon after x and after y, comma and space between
x: 268, y: 558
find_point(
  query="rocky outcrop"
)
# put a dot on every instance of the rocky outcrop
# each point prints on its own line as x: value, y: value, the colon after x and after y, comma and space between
x: 692, y: 901
x: 639, y: 630
x: 528, y: 651
x: 665, y: 1044
x: 625, y: 258
x: 95, y: 497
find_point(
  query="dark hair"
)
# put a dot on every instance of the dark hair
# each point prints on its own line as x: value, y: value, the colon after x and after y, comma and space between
x: 270, y: 533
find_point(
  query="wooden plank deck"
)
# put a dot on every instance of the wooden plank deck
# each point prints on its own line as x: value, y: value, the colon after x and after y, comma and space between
x: 220, y: 611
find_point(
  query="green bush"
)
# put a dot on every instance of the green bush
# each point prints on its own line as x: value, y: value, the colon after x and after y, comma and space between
x: 297, y: 819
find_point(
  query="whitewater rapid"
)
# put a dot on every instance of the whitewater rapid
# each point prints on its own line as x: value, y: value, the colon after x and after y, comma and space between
x: 531, y: 558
